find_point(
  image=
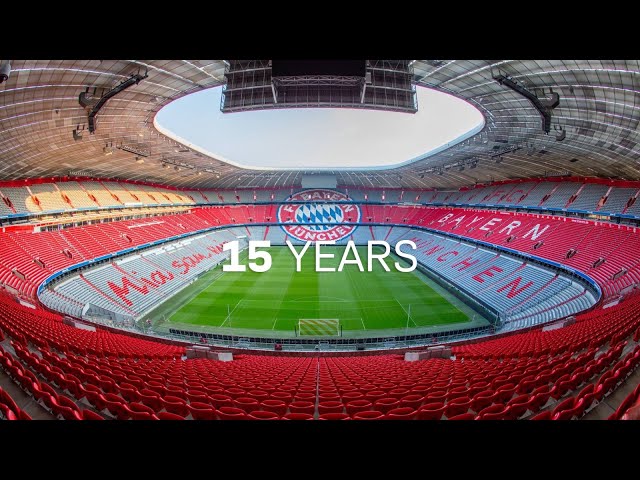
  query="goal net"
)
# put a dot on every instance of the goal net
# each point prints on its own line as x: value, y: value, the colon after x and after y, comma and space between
x: 319, y: 326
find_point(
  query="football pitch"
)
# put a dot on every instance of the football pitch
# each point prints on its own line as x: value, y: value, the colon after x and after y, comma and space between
x: 276, y: 300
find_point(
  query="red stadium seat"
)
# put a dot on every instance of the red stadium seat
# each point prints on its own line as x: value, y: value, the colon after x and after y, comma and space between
x: 565, y: 405
x: 197, y: 396
x: 463, y: 416
x: 374, y: 395
x: 302, y: 407
x: 263, y: 415
x: 526, y: 385
x: 63, y: 410
x: 598, y: 393
x: 7, y: 413
x: 129, y: 392
x: 169, y: 416
x: 247, y: 404
x: 114, y: 403
x: 539, y: 398
x: 457, y: 406
x: 231, y: 413
x: 506, y: 392
x: 385, y: 404
x: 39, y: 393
x: 632, y: 413
x: 286, y: 397
x: 368, y: 415
x: 399, y: 392
x: 579, y: 408
x: 414, y: 401
x: 276, y: 406
x: 259, y: 395
x: 141, y: 412
x: 89, y: 415
x: 330, y: 406
x: 334, y: 416
x: 482, y: 400
x: 94, y: 396
x: 176, y: 405
x: 495, y: 412
x: 297, y: 416
x: 519, y: 405
x: 401, y: 413
x: 435, y: 396
x: 431, y: 411
x: 546, y: 415
x: 356, y: 406
x: 151, y: 399
x: 219, y: 400
x: 202, y: 411
x: 305, y: 397
x: 327, y: 397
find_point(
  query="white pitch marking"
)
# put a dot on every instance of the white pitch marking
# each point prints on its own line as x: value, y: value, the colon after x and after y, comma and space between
x: 229, y: 316
x: 405, y: 311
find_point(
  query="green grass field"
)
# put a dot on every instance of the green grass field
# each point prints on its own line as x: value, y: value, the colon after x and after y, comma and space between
x: 277, y: 299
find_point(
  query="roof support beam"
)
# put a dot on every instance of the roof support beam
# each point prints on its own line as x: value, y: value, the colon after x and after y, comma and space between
x: 544, y: 106
x: 132, y: 80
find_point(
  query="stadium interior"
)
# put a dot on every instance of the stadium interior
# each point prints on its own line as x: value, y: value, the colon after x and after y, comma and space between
x: 525, y: 304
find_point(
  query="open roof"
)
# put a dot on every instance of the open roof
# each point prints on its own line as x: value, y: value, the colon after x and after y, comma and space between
x: 593, y: 130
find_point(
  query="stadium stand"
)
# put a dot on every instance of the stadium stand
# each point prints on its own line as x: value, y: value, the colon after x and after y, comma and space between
x: 547, y: 293
x: 562, y: 373
x: 588, y: 198
x: 575, y: 195
x: 45, y: 330
x: 523, y: 294
x: 78, y: 196
x: 20, y: 199
x: 134, y: 284
x: 617, y: 200
x: 102, y: 196
x: 628, y: 409
x: 48, y: 197
x: 548, y: 237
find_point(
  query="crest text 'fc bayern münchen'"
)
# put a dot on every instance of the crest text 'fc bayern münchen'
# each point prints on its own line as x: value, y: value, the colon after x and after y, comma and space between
x: 314, y: 221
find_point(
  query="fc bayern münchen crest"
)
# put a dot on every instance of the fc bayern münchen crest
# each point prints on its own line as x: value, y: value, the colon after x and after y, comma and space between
x: 313, y: 220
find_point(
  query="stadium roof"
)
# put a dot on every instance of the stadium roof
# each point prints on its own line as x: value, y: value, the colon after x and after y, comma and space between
x: 593, y: 131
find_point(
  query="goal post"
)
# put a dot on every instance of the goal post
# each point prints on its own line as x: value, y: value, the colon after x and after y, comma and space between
x: 319, y: 326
